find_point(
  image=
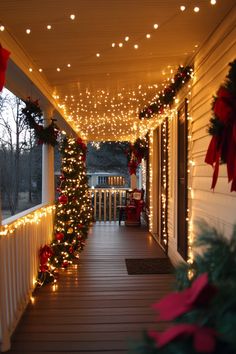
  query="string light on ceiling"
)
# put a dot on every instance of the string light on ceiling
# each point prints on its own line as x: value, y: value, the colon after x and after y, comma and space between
x: 182, y: 8
x: 196, y: 9
x: 213, y: 2
x: 72, y: 17
x: 28, y: 30
x: 49, y: 27
x: 2, y: 28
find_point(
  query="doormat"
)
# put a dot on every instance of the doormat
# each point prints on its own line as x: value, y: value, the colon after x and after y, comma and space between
x: 149, y: 266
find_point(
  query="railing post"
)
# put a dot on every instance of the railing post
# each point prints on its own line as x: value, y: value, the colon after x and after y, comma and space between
x: 133, y: 181
x: 48, y: 189
x: 5, y: 343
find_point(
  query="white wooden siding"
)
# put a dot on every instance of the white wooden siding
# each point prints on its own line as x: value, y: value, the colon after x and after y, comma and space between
x: 218, y: 208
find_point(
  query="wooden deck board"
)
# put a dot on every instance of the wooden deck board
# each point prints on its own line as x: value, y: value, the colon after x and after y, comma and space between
x: 97, y: 307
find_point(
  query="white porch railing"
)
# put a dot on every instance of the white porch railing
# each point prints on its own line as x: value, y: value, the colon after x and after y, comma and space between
x: 106, y: 203
x: 20, y: 239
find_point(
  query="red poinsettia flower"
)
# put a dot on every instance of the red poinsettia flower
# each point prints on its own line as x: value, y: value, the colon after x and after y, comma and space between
x: 204, y: 338
x: 178, y: 303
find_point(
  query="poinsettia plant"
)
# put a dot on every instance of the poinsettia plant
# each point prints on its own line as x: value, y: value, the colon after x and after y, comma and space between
x: 201, y: 313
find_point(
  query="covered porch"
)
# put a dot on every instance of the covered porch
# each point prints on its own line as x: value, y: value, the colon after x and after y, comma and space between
x: 105, y: 70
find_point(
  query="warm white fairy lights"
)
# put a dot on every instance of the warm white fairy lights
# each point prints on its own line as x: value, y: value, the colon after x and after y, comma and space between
x: 32, y: 218
x: 164, y: 182
x: 2, y: 28
x: 151, y: 181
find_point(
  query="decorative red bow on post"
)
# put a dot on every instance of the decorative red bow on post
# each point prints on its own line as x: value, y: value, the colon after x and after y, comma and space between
x: 223, y: 128
x: 4, y: 56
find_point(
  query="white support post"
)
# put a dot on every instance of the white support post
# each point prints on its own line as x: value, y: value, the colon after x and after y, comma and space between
x: 133, y: 181
x: 48, y: 188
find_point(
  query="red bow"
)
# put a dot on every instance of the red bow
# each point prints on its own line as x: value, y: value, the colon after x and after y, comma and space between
x: 204, y: 338
x: 225, y: 144
x: 132, y: 165
x: 4, y: 56
x: 176, y: 304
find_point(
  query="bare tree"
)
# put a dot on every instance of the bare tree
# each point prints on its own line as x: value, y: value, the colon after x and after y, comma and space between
x: 13, y: 140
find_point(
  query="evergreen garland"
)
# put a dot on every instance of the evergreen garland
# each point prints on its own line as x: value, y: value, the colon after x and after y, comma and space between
x: 33, y: 116
x: 135, y: 153
x: 73, y: 212
x: 209, y: 320
x: 222, y: 127
x: 167, y: 96
x: 216, y: 125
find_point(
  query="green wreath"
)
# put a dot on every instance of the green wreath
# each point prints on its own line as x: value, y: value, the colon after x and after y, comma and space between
x: 33, y: 115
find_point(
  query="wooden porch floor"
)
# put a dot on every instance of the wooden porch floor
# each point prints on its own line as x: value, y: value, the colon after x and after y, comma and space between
x: 97, y: 307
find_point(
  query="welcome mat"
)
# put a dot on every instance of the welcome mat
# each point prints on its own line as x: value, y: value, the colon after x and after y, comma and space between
x: 149, y: 266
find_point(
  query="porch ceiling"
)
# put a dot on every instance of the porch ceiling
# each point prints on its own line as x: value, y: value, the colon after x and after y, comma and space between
x: 101, y: 96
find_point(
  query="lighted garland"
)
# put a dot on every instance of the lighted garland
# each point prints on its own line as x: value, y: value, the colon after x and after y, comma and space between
x: 33, y: 115
x: 222, y: 147
x: 167, y: 96
x: 135, y: 153
x: 73, y: 212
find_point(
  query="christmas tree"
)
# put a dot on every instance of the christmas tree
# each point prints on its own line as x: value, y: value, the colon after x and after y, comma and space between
x: 203, y: 309
x: 73, y: 211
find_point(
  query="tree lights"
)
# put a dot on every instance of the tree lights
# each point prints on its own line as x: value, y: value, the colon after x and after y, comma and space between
x: 73, y: 211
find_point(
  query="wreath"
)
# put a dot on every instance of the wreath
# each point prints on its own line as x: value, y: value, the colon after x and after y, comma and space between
x: 135, y: 153
x: 167, y: 97
x: 222, y: 147
x: 33, y: 115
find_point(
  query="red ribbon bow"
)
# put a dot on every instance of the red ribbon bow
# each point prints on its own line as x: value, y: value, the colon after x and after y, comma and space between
x: 4, y: 56
x: 176, y: 304
x: 204, y: 338
x: 225, y: 144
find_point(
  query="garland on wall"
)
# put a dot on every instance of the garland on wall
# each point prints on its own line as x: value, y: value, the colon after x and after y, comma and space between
x: 167, y: 96
x: 203, y: 309
x: 4, y: 56
x: 73, y: 212
x: 135, y: 153
x: 222, y: 147
x: 33, y: 115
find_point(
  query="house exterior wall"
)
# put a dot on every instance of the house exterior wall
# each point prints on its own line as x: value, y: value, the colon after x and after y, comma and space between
x: 218, y: 207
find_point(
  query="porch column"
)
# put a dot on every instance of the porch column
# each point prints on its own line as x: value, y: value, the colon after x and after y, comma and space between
x: 48, y: 189
x: 133, y: 181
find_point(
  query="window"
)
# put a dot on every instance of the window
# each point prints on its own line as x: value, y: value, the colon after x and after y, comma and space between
x: 20, y: 159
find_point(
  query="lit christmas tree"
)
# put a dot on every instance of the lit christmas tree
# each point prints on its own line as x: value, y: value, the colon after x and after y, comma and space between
x: 73, y: 211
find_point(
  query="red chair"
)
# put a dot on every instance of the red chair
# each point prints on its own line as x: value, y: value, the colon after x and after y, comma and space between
x: 134, y: 208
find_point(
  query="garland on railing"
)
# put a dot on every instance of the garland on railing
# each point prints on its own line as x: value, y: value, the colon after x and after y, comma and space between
x: 166, y: 98
x: 135, y: 153
x: 4, y: 56
x: 222, y: 147
x: 33, y: 115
